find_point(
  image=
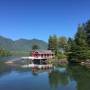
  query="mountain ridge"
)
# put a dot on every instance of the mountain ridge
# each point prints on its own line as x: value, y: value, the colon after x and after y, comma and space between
x: 21, y: 44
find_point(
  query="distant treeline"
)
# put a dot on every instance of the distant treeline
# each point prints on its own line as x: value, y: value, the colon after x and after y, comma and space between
x: 4, y: 52
x: 76, y: 49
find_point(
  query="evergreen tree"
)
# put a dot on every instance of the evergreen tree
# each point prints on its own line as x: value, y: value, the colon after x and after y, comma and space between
x: 79, y: 47
x: 69, y: 44
x: 55, y: 42
x: 35, y: 47
x: 62, y: 43
x: 87, y: 29
x: 50, y: 42
x: 81, y: 37
x: 81, y: 42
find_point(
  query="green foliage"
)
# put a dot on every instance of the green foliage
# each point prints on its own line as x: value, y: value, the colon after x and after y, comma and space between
x: 20, y: 53
x: 79, y: 47
x: 87, y: 29
x: 52, y: 43
x: 62, y: 43
x: 58, y: 45
x: 61, y: 55
x: 81, y: 37
x: 35, y: 47
x: 4, y: 52
x: 70, y: 44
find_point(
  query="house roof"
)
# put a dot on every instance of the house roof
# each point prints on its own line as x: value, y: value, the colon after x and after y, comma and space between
x: 44, y: 51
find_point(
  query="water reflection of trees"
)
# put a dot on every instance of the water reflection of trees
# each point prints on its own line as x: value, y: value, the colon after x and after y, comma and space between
x: 57, y: 78
x: 81, y: 75
x: 4, y: 69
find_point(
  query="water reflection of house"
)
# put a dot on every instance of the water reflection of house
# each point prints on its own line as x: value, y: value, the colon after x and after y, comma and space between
x: 46, y: 54
x: 36, y: 71
x: 39, y: 59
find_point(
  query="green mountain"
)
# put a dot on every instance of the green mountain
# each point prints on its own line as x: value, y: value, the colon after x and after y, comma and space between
x: 21, y: 44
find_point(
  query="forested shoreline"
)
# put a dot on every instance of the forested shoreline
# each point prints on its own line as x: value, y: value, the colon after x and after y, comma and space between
x: 75, y: 49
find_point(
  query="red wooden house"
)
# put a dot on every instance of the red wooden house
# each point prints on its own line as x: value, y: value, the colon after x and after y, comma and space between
x: 46, y: 54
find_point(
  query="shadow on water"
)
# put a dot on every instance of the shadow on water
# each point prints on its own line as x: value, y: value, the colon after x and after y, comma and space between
x: 4, y: 69
x: 58, y: 77
x: 81, y: 75
x: 76, y: 73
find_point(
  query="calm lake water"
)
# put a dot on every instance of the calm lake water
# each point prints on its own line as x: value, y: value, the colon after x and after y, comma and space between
x: 58, y: 78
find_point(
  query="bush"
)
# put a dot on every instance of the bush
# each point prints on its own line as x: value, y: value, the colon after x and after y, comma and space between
x: 4, y: 52
x: 60, y: 55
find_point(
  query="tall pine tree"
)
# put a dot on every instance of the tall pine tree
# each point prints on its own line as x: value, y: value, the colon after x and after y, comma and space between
x: 87, y: 29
